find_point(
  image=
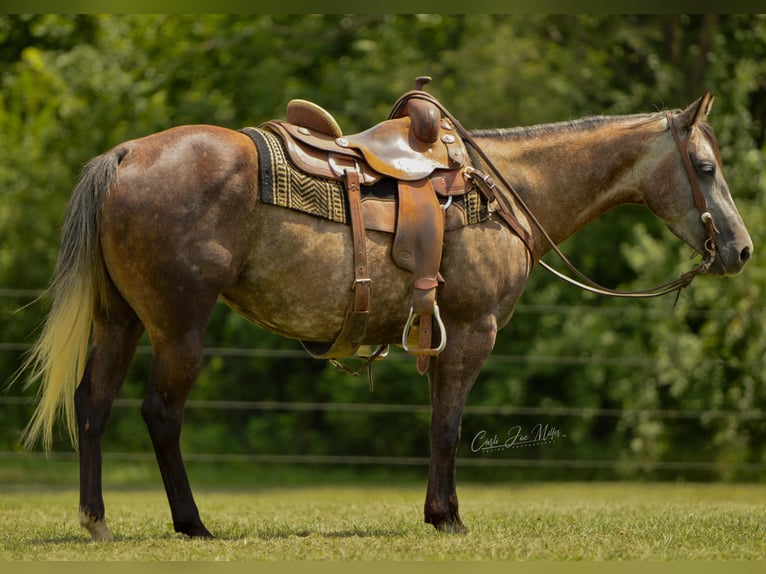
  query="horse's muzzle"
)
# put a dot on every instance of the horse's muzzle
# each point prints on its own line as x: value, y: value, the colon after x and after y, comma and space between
x: 730, y: 260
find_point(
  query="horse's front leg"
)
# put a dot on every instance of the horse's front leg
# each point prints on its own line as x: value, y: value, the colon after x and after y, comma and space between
x: 451, y: 377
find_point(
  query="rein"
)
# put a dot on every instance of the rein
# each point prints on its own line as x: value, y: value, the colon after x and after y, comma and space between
x: 506, y: 210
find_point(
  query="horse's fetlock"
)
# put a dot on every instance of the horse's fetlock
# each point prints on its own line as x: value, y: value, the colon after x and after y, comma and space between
x: 99, y: 532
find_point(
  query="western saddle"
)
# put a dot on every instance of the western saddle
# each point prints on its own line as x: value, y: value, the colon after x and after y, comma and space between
x: 425, y: 154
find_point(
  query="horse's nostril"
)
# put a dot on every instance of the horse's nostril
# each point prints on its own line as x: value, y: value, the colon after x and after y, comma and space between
x: 744, y: 255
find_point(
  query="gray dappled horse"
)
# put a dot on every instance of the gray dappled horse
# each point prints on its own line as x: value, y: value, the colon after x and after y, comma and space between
x: 159, y: 228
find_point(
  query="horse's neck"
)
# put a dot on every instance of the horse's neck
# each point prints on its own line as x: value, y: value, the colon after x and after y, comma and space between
x: 569, y: 174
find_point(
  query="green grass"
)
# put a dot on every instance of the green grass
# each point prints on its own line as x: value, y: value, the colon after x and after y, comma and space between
x: 517, y: 522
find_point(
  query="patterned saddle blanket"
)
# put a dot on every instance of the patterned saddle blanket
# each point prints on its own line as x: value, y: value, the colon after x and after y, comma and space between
x: 285, y: 185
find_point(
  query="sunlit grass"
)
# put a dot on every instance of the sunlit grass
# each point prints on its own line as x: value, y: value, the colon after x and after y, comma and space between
x: 521, y: 522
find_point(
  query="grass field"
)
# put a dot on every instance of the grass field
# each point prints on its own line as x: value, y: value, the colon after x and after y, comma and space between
x: 512, y: 522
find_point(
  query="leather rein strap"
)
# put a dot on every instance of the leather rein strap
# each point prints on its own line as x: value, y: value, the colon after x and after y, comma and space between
x: 505, y: 210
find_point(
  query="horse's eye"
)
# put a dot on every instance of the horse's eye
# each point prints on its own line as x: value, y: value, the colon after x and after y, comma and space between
x: 706, y: 168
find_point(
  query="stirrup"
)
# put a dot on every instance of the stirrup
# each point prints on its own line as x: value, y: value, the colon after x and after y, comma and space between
x: 369, y: 352
x: 424, y: 351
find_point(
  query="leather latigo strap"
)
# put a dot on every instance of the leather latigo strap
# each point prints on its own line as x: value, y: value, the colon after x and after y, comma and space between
x: 362, y: 281
x: 354, y: 327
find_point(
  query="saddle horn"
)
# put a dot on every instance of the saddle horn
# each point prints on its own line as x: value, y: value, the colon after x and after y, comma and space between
x: 424, y: 115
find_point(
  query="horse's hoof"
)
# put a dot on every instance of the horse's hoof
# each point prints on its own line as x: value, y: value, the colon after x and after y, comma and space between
x: 195, y: 532
x: 206, y: 536
x: 99, y: 532
x: 452, y: 528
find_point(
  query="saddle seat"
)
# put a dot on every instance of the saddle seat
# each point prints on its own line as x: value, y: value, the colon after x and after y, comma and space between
x: 424, y: 154
x: 407, y: 147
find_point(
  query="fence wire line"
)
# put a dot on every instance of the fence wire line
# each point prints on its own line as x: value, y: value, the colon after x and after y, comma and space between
x: 486, y: 410
x: 554, y: 360
x: 531, y: 308
x: 477, y: 461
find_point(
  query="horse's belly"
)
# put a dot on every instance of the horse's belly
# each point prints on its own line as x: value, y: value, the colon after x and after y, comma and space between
x: 298, y: 283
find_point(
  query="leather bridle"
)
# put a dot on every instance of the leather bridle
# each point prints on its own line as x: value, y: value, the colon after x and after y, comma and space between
x: 699, y: 198
x: 674, y: 286
x: 505, y: 210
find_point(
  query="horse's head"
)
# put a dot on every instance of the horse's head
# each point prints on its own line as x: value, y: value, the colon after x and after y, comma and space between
x: 683, y: 208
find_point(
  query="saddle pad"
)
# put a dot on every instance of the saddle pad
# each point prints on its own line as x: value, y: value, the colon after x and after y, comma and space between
x: 284, y: 185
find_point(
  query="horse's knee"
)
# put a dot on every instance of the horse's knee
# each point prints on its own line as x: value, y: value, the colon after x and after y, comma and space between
x: 151, y: 407
x: 445, y: 436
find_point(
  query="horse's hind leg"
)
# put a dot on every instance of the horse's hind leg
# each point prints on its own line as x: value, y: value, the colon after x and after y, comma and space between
x: 177, y: 361
x: 115, y: 337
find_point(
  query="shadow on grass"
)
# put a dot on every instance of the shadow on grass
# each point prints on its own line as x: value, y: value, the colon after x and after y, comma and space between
x: 55, y: 541
x: 85, y: 541
x: 334, y: 535
x: 374, y: 533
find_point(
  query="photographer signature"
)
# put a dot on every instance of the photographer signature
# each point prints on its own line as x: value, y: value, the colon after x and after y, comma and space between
x: 517, y: 437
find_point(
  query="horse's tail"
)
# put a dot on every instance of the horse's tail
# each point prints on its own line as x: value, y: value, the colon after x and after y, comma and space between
x: 59, y: 356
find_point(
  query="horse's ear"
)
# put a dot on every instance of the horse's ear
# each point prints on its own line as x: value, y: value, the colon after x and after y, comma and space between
x: 708, y: 100
x: 698, y: 111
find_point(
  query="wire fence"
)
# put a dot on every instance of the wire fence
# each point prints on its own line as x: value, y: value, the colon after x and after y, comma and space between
x: 229, y: 406
x: 403, y: 461
x: 413, y: 461
x: 501, y: 410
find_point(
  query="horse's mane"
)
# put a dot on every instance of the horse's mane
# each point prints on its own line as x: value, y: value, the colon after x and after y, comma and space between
x: 579, y: 125
x: 587, y: 124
